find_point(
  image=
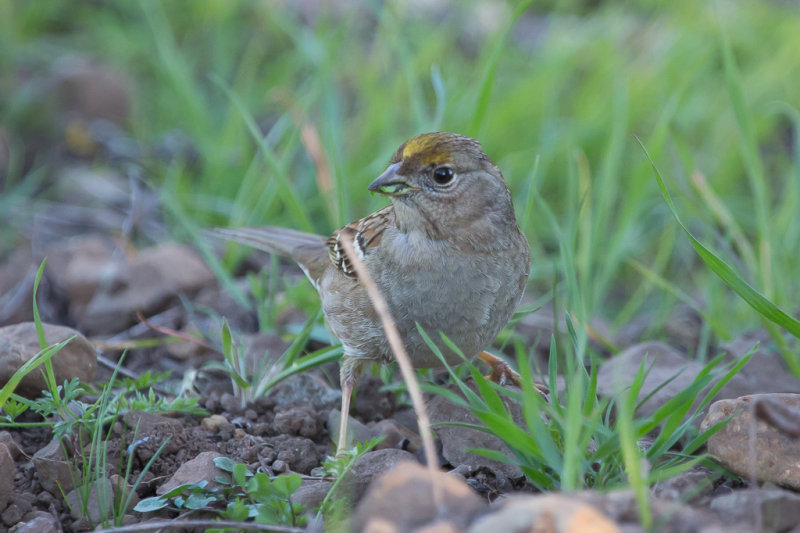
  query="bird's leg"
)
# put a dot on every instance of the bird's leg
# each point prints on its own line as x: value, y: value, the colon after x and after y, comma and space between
x: 502, y: 373
x: 348, y: 376
x: 347, y: 392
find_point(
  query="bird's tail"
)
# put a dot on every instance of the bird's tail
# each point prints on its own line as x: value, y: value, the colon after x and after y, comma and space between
x: 306, y: 249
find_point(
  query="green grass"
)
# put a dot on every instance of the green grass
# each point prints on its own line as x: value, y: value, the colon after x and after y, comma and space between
x: 703, y: 87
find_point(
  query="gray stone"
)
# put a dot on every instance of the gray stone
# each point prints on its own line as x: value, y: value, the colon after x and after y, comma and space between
x: 311, y: 493
x: 299, y: 453
x: 368, y: 467
x: 17, y: 274
x: 693, y: 486
x: 55, y: 473
x: 300, y: 420
x: 769, y: 456
x: 201, y: 468
x: 396, y: 435
x: 402, y: 499
x: 457, y: 440
x: 147, y: 423
x: 672, y: 517
x: 7, y: 439
x: 664, y: 362
x: 356, y: 431
x: 148, y: 284
x: 19, y: 343
x: 8, y: 470
x: 767, y: 372
x: 98, y: 506
x: 80, y: 266
x: 307, y: 387
x: 779, y: 509
x: 43, y: 523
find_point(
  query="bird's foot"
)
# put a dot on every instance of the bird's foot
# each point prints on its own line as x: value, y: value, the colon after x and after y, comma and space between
x: 503, y: 374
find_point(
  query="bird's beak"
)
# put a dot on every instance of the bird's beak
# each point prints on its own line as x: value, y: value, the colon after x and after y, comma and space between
x: 390, y: 183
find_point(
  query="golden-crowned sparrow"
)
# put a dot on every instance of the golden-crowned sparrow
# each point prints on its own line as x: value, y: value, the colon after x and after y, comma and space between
x: 447, y: 254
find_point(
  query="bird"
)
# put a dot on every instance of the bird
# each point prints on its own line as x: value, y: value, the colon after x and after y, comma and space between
x: 447, y: 254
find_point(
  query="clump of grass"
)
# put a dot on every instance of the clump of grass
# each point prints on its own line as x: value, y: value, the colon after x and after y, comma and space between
x: 578, y: 440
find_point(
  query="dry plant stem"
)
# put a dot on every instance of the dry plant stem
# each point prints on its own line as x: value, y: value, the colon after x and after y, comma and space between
x: 406, y: 368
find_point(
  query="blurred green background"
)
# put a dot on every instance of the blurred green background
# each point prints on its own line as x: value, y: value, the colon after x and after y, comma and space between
x: 281, y: 112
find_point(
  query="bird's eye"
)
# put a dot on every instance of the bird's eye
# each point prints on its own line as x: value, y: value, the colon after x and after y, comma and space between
x: 443, y: 175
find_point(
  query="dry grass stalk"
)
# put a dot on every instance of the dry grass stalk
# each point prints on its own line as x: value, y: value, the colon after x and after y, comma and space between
x: 406, y: 368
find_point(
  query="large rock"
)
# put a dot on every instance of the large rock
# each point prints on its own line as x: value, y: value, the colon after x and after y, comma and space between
x: 664, y: 362
x: 779, y: 509
x: 403, y: 500
x: 748, y: 446
x: 367, y: 468
x: 148, y: 284
x: 80, y: 266
x: 548, y: 513
x: 458, y: 440
x: 767, y: 372
x: 19, y: 343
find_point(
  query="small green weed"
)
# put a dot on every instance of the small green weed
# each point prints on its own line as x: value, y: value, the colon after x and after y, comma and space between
x: 250, y: 383
x: 241, y: 496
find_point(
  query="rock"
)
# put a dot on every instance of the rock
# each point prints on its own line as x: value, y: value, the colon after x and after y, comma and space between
x: 672, y: 517
x: 372, y: 403
x: 402, y: 500
x: 300, y: 420
x: 682, y: 330
x: 617, y: 373
x: 80, y: 265
x: 779, y: 509
x: 262, y: 349
x: 17, y: 274
x: 212, y: 423
x: 148, y: 284
x: 693, y: 486
x: 397, y: 436
x: 307, y: 387
x: 123, y: 490
x: 549, y: 513
x: 457, y: 440
x: 231, y: 404
x: 366, y: 468
x: 767, y: 372
x: 19, y: 343
x: 201, y: 468
x: 13, y: 447
x: 24, y: 501
x: 12, y: 515
x: 188, y: 350
x: 43, y: 523
x: 773, y: 457
x: 298, y: 452
x: 8, y: 469
x: 356, y: 431
x: 147, y: 423
x: 100, y: 504
x: 311, y: 493
x: 88, y: 90
x: 55, y: 473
